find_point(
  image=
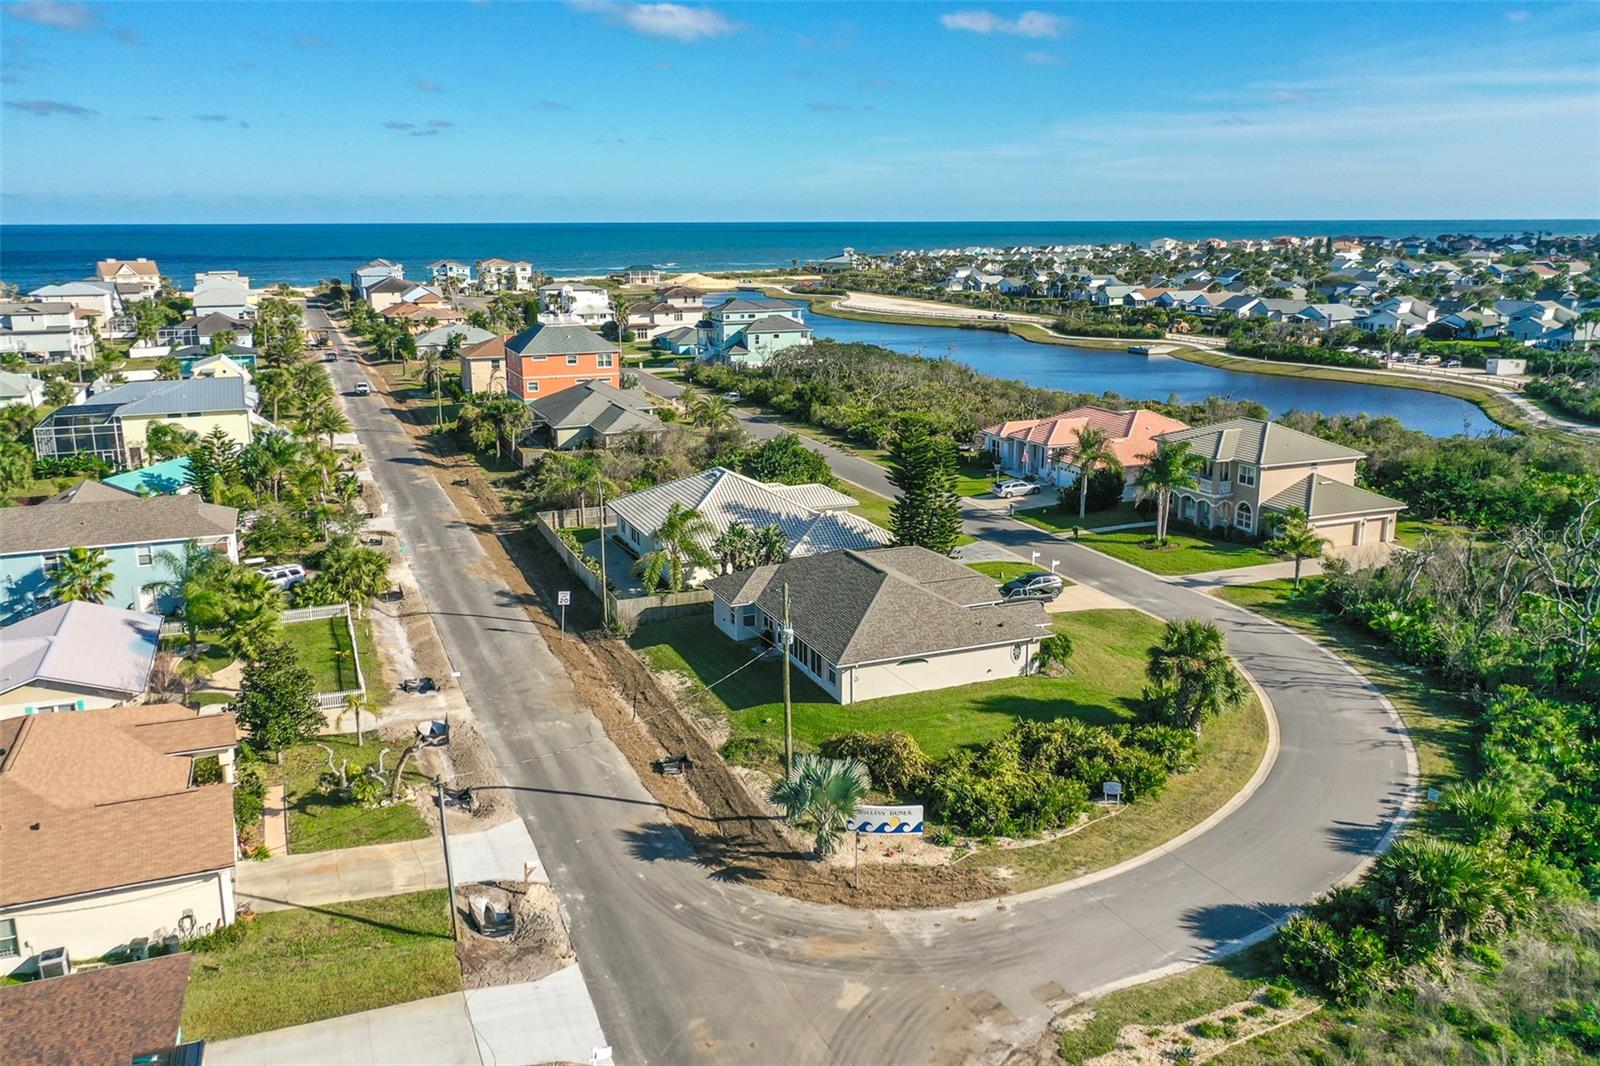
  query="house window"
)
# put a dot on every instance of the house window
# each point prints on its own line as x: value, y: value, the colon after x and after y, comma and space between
x: 1247, y: 475
x: 749, y: 617
x: 533, y: 386
x: 52, y: 562
x: 833, y: 676
x: 572, y: 360
x: 8, y: 938
x: 604, y: 361
x: 1242, y: 516
x: 146, y: 555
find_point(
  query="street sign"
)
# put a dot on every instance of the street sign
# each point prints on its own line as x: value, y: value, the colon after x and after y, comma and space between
x: 1112, y: 790
x: 1433, y: 795
x: 563, y: 598
x: 904, y: 819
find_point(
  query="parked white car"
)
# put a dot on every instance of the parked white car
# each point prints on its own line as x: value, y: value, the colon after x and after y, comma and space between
x: 1007, y: 489
x: 363, y: 388
x: 286, y: 576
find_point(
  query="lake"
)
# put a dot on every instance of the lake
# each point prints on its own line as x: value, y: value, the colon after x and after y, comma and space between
x: 1156, y: 377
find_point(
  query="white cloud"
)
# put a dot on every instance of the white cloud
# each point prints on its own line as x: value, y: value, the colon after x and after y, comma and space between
x: 427, y: 85
x: 1035, y: 24
x: 76, y: 18
x: 678, y: 22
x: 1043, y: 58
x: 1517, y: 16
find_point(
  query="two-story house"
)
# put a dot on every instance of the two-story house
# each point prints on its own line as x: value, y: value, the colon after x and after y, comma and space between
x: 1255, y: 469
x: 132, y: 531
x: 113, y: 424
x: 647, y: 321
x: 450, y: 272
x: 1045, y: 450
x: 46, y: 331
x: 141, y: 273
x: 548, y: 358
x: 222, y: 293
x: 369, y: 274
x: 749, y: 330
x: 100, y: 299
x: 571, y: 304
x: 483, y: 366
x: 497, y: 275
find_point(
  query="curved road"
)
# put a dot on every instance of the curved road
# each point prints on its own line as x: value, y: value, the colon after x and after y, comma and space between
x: 686, y: 965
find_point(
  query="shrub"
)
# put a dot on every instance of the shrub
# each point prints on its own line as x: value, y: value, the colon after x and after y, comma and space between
x: 249, y: 794
x: 896, y: 762
x: 220, y: 939
x: 1105, y: 492
x: 990, y: 792
x: 1277, y: 996
x: 752, y: 751
x: 1054, y: 653
x: 1346, y: 968
x: 1209, y: 1029
x: 367, y: 789
x: 1174, y: 747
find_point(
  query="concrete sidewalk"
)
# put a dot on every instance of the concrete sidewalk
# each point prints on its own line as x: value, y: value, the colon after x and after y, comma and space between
x: 1247, y: 575
x: 548, y: 1020
x: 502, y: 853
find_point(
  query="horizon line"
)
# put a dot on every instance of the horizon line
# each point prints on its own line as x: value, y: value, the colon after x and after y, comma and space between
x: 820, y: 222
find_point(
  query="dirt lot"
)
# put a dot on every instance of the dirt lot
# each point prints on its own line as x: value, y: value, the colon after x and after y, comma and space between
x: 537, y: 945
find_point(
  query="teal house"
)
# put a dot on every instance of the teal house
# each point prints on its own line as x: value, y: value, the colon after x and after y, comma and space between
x: 747, y: 330
x: 132, y: 530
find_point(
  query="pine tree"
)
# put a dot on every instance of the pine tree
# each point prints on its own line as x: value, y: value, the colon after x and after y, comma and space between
x: 277, y: 703
x: 923, y: 467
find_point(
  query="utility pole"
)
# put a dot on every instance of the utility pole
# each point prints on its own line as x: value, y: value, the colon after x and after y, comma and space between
x: 605, y: 603
x: 785, y: 638
x: 449, y: 874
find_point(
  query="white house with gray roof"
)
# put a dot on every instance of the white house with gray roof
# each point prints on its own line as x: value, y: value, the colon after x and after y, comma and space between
x: 883, y: 622
x: 814, y: 518
x: 46, y: 330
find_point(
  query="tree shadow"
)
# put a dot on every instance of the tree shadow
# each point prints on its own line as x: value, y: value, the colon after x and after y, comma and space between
x: 724, y: 859
x: 1222, y: 924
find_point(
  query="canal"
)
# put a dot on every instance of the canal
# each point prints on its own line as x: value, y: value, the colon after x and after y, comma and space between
x: 1157, y: 377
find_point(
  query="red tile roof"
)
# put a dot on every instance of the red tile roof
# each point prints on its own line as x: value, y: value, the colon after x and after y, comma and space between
x: 1130, y: 433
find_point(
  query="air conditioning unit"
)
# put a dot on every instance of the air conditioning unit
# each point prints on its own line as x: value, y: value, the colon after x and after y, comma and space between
x: 54, y: 962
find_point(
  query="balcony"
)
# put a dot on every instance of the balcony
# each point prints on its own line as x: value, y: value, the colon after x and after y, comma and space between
x: 1214, y: 487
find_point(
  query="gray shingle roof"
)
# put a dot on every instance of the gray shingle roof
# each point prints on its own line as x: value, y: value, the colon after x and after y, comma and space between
x: 1252, y: 440
x: 80, y: 645
x: 891, y: 603
x: 754, y: 303
x: 776, y: 324
x: 590, y: 403
x: 559, y: 340
x: 724, y: 497
x: 1323, y: 497
x: 92, y: 520
x: 189, y: 395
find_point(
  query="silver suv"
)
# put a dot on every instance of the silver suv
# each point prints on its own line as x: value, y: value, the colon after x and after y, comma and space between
x: 1036, y: 586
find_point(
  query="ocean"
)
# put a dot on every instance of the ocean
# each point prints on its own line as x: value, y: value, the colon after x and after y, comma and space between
x: 31, y: 256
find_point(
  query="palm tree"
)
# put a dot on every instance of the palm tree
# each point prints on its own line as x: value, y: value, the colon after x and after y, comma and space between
x: 510, y: 417
x: 269, y: 458
x: 250, y: 612
x: 16, y: 465
x: 1166, y: 470
x: 189, y: 582
x: 1192, y: 675
x: 82, y: 574
x: 1438, y: 893
x: 621, y: 307
x: 712, y: 413
x: 680, y: 541
x: 771, y: 545
x: 735, y: 547
x: 1296, y: 539
x: 169, y: 369
x: 58, y: 392
x: 325, y: 418
x: 273, y: 386
x: 433, y: 375
x: 825, y: 793
x: 1093, y: 453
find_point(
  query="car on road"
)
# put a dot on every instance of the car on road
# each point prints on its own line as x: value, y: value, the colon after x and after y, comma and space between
x: 286, y: 576
x: 1040, y: 585
x: 732, y: 397
x: 1450, y: 364
x: 331, y: 356
x: 1015, y: 487
x: 363, y: 388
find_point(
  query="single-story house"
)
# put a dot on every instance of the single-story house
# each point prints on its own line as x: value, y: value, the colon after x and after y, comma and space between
x: 1045, y: 449
x: 1254, y: 468
x: 685, y: 340
x: 118, y: 842
x: 813, y: 518
x: 24, y: 389
x: 132, y: 530
x: 883, y: 622
x: 128, y: 1013
x: 483, y: 366
x: 74, y: 657
x: 595, y: 413
x: 434, y: 340
x: 113, y: 424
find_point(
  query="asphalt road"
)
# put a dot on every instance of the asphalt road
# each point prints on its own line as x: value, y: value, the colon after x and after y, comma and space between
x: 685, y: 966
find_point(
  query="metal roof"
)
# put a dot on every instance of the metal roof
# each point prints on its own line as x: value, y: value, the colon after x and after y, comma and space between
x: 80, y: 645
x: 169, y: 398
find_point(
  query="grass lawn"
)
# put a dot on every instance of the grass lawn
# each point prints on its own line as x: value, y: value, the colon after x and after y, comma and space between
x: 875, y: 508
x: 1055, y: 520
x: 209, y: 699
x: 318, y: 822
x: 1184, y: 553
x: 299, y: 966
x: 211, y: 658
x: 973, y: 477
x: 323, y: 645
x: 1107, y: 674
x: 1003, y: 571
x: 1410, y: 532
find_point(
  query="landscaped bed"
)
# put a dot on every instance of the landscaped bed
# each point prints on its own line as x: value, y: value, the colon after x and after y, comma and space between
x: 1183, y: 553
x: 295, y: 966
x: 1103, y: 688
x: 321, y: 821
x: 1056, y: 519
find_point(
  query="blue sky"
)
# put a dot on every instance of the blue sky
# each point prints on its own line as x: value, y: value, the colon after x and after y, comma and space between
x: 603, y: 110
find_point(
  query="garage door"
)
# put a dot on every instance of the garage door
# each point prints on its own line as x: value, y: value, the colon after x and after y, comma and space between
x: 1339, y: 535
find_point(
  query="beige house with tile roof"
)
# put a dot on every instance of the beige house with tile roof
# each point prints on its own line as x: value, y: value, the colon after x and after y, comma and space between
x: 107, y: 837
x: 1254, y: 469
x: 1045, y: 449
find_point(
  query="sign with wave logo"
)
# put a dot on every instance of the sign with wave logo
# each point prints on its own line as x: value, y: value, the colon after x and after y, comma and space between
x: 905, y: 819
